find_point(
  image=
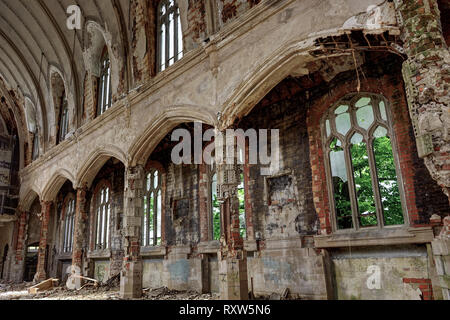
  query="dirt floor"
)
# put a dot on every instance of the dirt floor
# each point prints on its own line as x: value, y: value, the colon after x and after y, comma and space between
x: 10, y: 291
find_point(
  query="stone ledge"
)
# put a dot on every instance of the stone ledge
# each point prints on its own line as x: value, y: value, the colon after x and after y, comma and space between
x: 64, y: 256
x: 387, y: 236
x: 250, y: 245
x: 153, y: 251
x: 99, y: 254
x: 288, y: 243
x: 208, y: 247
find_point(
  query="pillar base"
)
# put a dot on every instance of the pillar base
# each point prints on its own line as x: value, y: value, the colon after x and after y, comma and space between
x: 233, y: 279
x: 131, y: 280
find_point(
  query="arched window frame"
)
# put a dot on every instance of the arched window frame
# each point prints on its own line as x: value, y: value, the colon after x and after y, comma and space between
x: 169, y: 44
x: 151, y: 236
x: 329, y: 132
x: 68, y: 215
x: 104, y: 84
x: 102, y: 216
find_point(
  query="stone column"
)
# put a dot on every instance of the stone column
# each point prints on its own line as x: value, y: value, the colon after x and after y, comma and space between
x: 427, y: 75
x: 79, y: 227
x: 45, y: 217
x: 131, y: 276
x: 232, y: 257
x: 20, y: 250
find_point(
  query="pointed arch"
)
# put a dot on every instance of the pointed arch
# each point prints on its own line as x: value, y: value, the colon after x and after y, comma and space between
x: 172, y: 116
x: 55, y: 183
x: 30, y: 195
x: 97, y: 37
x: 95, y: 162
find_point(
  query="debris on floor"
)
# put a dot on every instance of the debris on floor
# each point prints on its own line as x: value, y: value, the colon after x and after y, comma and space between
x: 43, y: 286
x: 105, y: 291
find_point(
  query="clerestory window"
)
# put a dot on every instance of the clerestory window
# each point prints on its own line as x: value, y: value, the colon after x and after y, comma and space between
x: 104, y: 85
x: 170, y: 36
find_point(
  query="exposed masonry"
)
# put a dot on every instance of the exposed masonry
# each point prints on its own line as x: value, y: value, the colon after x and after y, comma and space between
x: 427, y: 78
x: 247, y: 64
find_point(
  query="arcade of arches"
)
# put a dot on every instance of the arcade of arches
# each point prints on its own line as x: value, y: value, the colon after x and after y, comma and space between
x: 357, y: 89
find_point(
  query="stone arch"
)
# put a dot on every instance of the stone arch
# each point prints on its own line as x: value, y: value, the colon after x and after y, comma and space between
x: 30, y: 115
x: 172, y: 116
x: 53, y: 186
x: 29, y: 197
x: 97, y: 38
x: 95, y: 162
x: 58, y: 83
x: 292, y: 59
x: 285, y: 61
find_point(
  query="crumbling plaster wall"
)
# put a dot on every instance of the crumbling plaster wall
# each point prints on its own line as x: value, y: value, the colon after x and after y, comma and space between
x: 426, y: 74
x: 189, y: 91
x: 404, y: 273
x: 212, y: 79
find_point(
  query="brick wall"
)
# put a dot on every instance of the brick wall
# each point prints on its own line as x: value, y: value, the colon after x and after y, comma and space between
x: 424, y: 285
x: 196, y: 16
x: 383, y: 77
x: 284, y: 110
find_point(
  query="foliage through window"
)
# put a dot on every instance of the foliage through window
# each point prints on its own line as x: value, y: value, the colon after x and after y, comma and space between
x: 170, y: 36
x: 104, y: 85
x: 103, y: 216
x: 361, y: 168
x: 241, y: 196
x: 152, y: 209
x: 69, y: 219
x: 215, y: 206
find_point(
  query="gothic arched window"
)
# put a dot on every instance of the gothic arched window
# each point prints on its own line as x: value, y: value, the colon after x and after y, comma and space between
x: 104, y: 85
x: 102, y: 217
x: 152, y: 209
x: 170, y: 36
x: 69, y: 219
x: 361, y: 167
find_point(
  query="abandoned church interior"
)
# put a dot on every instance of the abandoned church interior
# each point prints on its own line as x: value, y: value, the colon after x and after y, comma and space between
x: 359, y: 91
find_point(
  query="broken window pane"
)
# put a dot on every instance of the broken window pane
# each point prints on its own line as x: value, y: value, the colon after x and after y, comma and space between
x: 340, y: 186
x: 365, y: 117
x: 363, y: 182
x: 387, y: 178
x: 343, y: 123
